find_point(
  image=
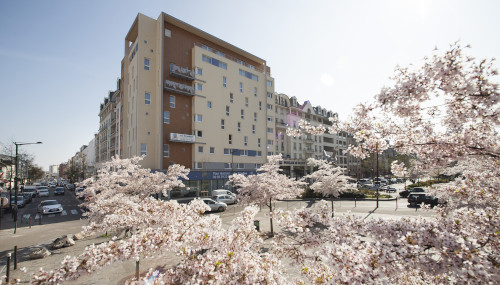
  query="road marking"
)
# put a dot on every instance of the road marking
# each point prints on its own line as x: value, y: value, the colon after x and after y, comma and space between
x: 64, y: 213
x: 37, y: 216
x: 26, y: 216
x: 74, y: 212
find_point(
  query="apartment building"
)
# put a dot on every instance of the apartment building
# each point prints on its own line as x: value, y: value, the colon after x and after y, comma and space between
x: 187, y: 97
x: 296, y: 150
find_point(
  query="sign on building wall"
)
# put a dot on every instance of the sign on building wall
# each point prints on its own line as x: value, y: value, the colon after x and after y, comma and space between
x: 175, y: 137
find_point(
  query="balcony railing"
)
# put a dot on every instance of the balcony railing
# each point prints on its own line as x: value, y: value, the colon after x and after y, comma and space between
x: 181, y: 72
x: 179, y: 88
x: 257, y: 68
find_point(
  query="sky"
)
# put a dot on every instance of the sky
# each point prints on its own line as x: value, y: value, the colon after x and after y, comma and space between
x: 59, y: 59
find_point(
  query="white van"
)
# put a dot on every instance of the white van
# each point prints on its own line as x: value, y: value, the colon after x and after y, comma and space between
x: 222, y: 192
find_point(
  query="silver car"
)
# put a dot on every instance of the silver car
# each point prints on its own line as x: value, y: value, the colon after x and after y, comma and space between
x: 43, y: 192
x: 215, y: 206
x: 50, y: 207
x: 228, y: 199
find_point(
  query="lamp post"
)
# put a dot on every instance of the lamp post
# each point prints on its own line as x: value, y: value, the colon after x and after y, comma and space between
x: 17, y: 168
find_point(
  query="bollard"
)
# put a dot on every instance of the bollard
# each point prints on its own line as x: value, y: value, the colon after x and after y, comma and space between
x: 40, y: 219
x: 137, y: 270
x: 396, y: 203
x: 29, y: 222
x: 8, y: 268
x: 15, y: 257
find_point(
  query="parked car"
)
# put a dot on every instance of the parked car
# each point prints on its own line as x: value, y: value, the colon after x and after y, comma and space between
x: 50, y: 207
x: 44, y: 192
x: 215, y: 206
x: 228, y: 199
x: 222, y: 192
x: 79, y: 194
x: 20, y: 201
x: 418, y: 198
x: 59, y: 191
x: 70, y: 186
x: 405, y: 193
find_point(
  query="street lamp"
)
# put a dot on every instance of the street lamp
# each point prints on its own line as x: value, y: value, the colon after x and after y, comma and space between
x: 17, y: 168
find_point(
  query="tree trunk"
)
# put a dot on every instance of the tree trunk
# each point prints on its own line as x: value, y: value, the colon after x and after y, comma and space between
x: 270, y: 216
x: 333, y: 209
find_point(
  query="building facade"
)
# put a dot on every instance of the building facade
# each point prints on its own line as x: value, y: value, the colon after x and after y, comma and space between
x: 186, y: 97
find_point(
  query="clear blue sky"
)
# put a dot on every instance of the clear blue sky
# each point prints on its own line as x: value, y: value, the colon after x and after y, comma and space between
x: 58, y: 59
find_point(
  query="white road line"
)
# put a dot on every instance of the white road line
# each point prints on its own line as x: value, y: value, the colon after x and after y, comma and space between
x: 74, y: 212
x: 64, y: 213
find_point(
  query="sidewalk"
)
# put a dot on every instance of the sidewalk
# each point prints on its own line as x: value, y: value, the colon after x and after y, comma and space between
x: 44, y: 235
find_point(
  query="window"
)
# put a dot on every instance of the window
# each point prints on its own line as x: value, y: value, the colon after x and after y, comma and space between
x: 199, y: 118
x: 240, y: 165
x: 227, y: 165
x: 144, y: 149
x: 166, y: 117
x: 270, y: 130
x: 166, y: 150
x: 269, y: 106
x: 224, y: 81
x: 209, y: 104
x: 199, y: 134
x: 245, y: 141
x: 214, y: 61
x: 200, y: 149
x: 255, y: 91
x: 230, y: 139
x: 242, y: 114
x: 269, y: 83
x: 239, y: 126
x: 255, y: 117
x: 241, y: 87
x: 270, y: 142
x: 222, y: 124
x: 227, y: 110
x: 199, y: 165
x: 244, y: 152
x: 294, y: 146
x: 146, y: 63
x: 199, y: 71
x: 253, y: 129
x: 269, y: 119
x: 172, y: 101
x: 260, y: 105
x: 199, y: 86
x: 269, y: 95
x: 212, y: 150
x: 258, y: 142
x: 231, y: 99
x: 259, y: 153
x: 249, y: 75
x: 246, y: 101
x: 227, y: 151
x: 147, y: 98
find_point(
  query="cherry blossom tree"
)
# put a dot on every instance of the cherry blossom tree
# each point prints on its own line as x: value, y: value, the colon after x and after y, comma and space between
x: 267, y: 186
x: 328, y: 179
x: 209, y: 253
x: 445, y: 113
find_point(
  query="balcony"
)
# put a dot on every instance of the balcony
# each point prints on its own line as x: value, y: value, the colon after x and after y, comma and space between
x: 181, y: 72
x: 179, y: 88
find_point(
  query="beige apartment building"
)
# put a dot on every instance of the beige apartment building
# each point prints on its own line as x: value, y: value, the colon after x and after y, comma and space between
x: 296, y: 150
x: 187, y: 97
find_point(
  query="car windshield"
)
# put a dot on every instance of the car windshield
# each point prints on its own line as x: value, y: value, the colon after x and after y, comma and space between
x: 52, y: 202
x: 42, y: 188
x: 59, y: 188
